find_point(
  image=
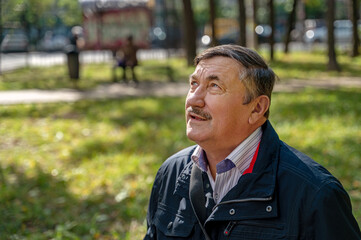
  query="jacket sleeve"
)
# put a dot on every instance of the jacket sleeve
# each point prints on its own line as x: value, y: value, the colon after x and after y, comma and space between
x: 152, y: 207
x: 331, y: 214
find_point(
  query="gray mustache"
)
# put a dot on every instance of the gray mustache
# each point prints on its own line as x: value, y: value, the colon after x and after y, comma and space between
x: 199, y: 112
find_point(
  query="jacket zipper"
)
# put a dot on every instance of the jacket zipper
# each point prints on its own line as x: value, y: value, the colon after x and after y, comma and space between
x: 229, y: 227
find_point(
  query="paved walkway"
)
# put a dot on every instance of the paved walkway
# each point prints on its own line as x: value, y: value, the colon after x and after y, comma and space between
x: 120, y: 90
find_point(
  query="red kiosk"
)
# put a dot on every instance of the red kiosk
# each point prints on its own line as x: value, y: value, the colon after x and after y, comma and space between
x: 107, y: 23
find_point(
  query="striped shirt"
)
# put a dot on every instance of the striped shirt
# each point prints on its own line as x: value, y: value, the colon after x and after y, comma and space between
x: 232, y: 167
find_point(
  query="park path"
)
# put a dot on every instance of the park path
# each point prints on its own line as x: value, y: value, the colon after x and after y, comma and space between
x: 158, y: 89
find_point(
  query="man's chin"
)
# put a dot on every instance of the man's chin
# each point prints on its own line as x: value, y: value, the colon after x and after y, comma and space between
x: 191, y: 136
x: 194, y: 136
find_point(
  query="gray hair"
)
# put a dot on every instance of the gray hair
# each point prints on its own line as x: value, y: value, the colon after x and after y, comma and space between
x: 258, y: 78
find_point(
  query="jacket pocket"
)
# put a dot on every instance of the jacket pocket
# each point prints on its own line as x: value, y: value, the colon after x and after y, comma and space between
x: 252, y: 230
x: 173, y: 225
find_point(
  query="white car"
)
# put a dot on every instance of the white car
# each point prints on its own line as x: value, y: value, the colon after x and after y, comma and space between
x: 342, y: 32
x: 52, y: 42
x: 14, y: 42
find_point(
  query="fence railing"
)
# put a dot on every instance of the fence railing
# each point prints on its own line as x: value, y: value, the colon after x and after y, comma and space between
x: 12, y: 61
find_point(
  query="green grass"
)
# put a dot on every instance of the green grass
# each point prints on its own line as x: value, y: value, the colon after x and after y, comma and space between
x: 91, y: 75
x: 84, y: 170
x: 313, y: 65
x: 298, y: 65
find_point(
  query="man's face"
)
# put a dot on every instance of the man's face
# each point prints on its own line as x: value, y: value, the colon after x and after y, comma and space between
x: 215, y: 113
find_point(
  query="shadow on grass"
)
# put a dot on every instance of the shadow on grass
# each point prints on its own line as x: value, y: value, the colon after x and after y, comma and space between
x: 304, y: 70
x: 40, y: 205
x: 149, y: 126
x: 121, y: 112
x: 299, y: 66
x: 91, y: 76
x: 36, y: 78
x: 316, y: 103
x: 166, y: 111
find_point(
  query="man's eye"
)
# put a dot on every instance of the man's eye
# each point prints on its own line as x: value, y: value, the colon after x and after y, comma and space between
x: 193, y: 83
x: 214, y: 85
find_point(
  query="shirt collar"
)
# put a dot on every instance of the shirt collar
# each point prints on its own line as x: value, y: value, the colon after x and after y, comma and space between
x: 240, y: 157
x: 199, y: 158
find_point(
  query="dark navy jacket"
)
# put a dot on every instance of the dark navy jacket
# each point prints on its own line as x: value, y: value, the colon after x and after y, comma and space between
x: 287, y: 196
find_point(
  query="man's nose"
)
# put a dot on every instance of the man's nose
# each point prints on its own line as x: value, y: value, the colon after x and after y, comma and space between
x: 196, y: 98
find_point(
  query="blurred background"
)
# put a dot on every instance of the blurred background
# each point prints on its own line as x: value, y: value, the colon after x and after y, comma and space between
x: 183, y: 27
x: 79, y: 150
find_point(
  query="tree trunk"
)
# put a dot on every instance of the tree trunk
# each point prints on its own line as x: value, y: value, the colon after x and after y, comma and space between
x: 212, y: 10
x: 1, y: 34
x: 291, y: 23
x: 355, y: 36
x: 272, y: 24
x: 190, y: 31
x: 332, y: 61
x: 166, y: 25
x: 242, y: 23
x: 255, y: 23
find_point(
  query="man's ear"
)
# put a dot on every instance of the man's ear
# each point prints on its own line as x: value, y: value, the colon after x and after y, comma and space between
x: 260, y: 106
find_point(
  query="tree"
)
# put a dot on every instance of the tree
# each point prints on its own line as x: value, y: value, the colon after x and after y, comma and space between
x: 212, y: 11
x: 190, y: 31
x: 242, y: 22
x: 69, y: 12
x: 290, y: 25
x: 355, y: 36
x: 330, y: 17
x: 39, y: 14
x: 255, y: 23
x: 10, y: 11
x: 272, y: 24
x: 1, y: 34
x: 31, y: 14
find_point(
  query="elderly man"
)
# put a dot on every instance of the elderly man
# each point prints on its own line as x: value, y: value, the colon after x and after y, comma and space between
x: 240, y: 181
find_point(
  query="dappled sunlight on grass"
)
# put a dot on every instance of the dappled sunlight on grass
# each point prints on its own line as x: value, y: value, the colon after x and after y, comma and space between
x: 308, y: 65
x: 36, y: 77
x: 105, y: 153
x: 92, y: 75
x: 84, y: 170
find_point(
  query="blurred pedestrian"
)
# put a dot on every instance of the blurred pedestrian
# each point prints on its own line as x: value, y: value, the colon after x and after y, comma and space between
x: 126, y: 57
x: 72, y: 51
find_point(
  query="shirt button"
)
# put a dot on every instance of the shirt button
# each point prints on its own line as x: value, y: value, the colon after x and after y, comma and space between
x: 232, y: 211
x: 169, y: 225
x: 269, y: 209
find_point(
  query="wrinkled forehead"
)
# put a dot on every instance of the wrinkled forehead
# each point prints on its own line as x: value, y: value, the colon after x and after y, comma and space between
x: 219, y: 65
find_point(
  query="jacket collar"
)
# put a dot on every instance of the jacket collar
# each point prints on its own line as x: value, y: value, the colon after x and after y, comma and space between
x: 183, y: 180
x: 254, y: 196
x: 261, y: 182
x: 258, y: 184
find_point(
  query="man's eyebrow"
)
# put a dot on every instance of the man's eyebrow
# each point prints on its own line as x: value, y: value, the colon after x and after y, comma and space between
x: 209, y: 78
x: 213, y: 77
x: 193, y: 76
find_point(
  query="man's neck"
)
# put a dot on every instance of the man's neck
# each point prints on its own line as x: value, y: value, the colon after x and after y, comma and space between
x: 217, y: 152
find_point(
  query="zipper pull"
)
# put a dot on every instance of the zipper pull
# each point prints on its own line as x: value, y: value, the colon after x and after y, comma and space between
x: 229, y: 227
